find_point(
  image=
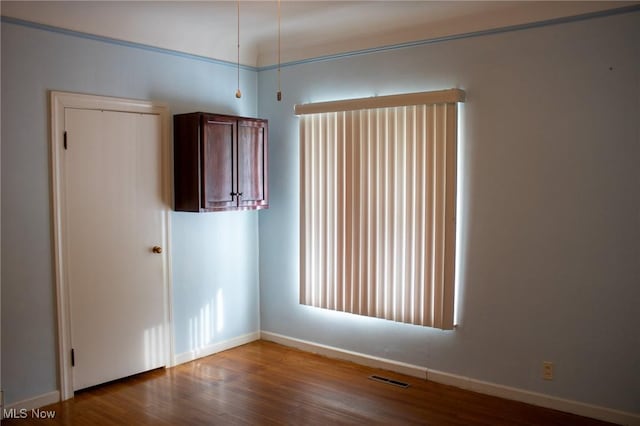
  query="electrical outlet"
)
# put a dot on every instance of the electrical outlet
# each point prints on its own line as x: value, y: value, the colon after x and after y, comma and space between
x: 547, y: 370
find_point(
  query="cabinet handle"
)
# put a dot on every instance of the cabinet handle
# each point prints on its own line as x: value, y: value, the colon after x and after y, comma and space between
x: 157, y: 249
x: 239, y: 194
x: 233, y: 194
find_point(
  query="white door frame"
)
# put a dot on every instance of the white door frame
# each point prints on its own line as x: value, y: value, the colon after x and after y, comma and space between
x: 60, y: 101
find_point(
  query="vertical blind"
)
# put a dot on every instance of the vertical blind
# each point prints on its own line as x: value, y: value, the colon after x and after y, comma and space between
x: 377, y: 209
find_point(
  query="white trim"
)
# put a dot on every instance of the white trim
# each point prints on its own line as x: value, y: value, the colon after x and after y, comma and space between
x: 487, y: 388
x: 216, y: 347
x: 170, y: 357
x: 167, y: 173
x: 535, y: 398
x: 35, y: 402
x: 58, y: 102
x: 53, y: 397
x: 358, y: 358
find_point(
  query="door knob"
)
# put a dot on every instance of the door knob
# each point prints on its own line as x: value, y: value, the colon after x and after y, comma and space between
x: 157, y: 249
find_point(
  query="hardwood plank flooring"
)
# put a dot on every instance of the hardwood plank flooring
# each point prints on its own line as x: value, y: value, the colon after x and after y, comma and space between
x: 263, y: 383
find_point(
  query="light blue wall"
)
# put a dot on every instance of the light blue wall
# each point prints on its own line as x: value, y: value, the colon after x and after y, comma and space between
x: 214, y: 255
x: 549, y: 211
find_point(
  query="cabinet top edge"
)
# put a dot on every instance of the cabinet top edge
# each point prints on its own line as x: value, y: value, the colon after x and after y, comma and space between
x: 202, y: 113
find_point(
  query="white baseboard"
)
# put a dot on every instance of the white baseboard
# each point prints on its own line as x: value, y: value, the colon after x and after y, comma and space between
x: 35, y: 402
x: 358, y: 358
x: 487, y: 388
x: 535, y: 398
x: 53, y: 397
x: 215, y: 348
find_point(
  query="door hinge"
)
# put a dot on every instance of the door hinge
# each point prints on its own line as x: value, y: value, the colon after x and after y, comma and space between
x: 73, y: 358
x: 65, y: 139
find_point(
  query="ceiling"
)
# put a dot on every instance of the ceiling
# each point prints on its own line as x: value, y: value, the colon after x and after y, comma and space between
x: 309, y: 28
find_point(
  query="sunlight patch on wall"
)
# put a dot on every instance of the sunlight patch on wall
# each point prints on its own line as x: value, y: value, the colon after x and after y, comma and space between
x: 327, y: 316
x: 461, y: 229
x: 204, y: 327
x: 219, y: 311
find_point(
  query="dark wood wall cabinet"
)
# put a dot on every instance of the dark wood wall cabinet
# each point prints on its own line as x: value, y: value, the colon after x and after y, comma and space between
x: 220, y: 162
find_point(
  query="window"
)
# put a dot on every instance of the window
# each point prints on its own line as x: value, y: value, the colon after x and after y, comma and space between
x: 377, y: 206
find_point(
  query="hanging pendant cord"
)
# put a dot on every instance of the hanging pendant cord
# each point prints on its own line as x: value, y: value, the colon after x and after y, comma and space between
x: 238, y: 92
x: 279, y: 94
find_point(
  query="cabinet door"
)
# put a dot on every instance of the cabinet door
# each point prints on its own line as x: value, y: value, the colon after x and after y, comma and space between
x: 252, y: 164
x: 218, y: 163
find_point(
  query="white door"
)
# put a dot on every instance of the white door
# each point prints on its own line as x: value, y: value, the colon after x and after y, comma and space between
x: 113, y: 213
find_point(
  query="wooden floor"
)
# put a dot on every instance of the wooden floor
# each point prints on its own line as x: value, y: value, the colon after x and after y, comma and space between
x: 263, y: 383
